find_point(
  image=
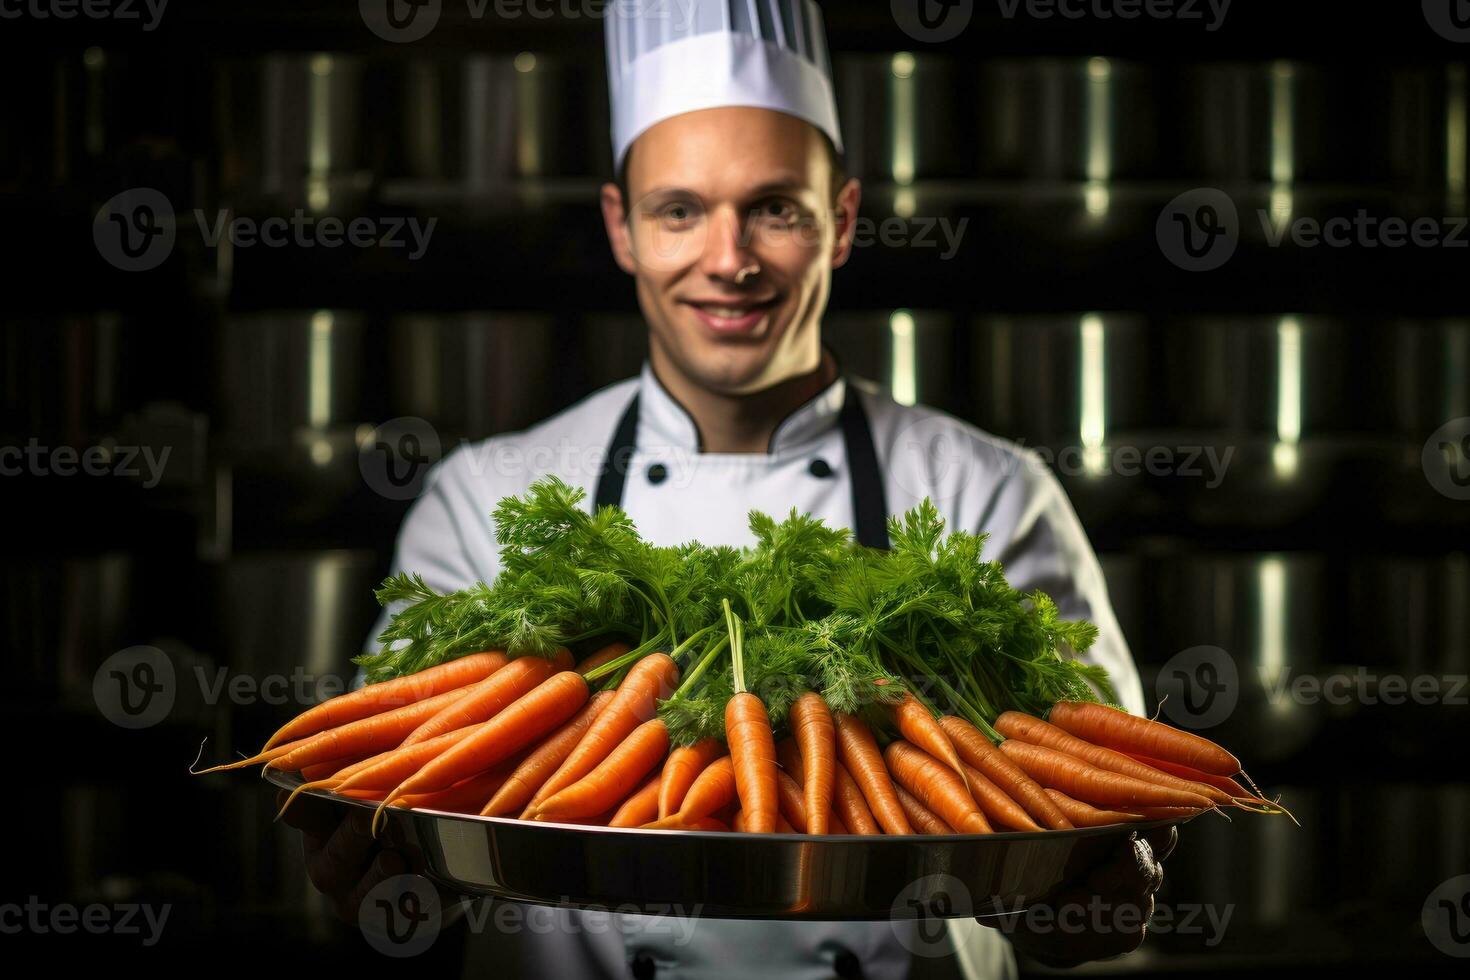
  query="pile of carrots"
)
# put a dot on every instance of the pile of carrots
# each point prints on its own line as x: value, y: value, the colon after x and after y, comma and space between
x: 529, y: 737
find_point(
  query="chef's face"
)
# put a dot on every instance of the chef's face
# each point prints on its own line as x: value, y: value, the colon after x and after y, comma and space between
x: 732, y: 225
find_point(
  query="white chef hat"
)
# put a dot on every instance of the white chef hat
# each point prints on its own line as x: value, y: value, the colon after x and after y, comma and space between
x: 668, y: 57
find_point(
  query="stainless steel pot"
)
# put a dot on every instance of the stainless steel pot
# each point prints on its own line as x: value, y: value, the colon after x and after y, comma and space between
x: 473, y: 374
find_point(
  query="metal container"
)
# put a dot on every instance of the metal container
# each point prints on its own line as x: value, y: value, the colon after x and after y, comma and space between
x: 742, y: 876
x: 906, y: 351
x: 293, y: 129
x: 1282, y: 377
x: 65, y: 380
x: 1409, y: 614
x: 1244, y: 629
x: 898, y: 115
x: 291, y: 624
x: 1066, y: 119
x: 294, y: 382
x: 62, y: 619
x: 1073, y: 379
x: 1273, y: 122
x: 479, y: 122
x: 472, y: 375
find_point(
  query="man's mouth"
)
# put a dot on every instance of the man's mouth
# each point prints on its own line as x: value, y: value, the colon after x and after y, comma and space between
x: 731, y: 315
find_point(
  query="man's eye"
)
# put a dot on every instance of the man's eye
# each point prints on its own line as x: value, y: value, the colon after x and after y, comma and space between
x: 676, y: 213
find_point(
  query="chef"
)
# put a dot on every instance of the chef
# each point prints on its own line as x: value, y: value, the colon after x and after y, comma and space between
x: 730, y: 213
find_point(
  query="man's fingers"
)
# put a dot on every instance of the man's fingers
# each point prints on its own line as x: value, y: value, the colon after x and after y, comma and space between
x: 308, y: 814
x: 1163, y: 840
x: 385, y: 866
x: 338, y: 864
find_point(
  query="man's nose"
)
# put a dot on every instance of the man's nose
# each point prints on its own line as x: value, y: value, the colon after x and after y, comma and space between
x: 729, y: 247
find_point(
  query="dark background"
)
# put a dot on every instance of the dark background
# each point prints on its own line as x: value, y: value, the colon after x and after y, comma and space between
x: 1331, y: 543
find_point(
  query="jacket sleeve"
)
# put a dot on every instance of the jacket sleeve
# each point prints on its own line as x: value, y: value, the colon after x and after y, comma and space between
x: 1036, y: 536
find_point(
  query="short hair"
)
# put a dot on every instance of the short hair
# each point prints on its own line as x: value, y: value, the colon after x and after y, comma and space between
x: 834, y: 158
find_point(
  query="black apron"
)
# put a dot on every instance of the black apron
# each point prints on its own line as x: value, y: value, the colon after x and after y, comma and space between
x: 869, y: 506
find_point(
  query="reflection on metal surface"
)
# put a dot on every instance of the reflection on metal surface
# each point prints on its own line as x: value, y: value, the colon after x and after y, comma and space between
x: 901, y: 350
x: 727, y: 875
x: 1288, y: 396
x: 903, y: 379
x: 904, y: 113
x: 1455, y: 139
x: 1093, y: 424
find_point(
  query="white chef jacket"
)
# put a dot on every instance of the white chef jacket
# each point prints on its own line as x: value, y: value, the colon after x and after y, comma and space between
x: 675, y: 493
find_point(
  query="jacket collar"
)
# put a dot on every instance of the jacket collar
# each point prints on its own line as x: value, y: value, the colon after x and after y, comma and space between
x: 663, y: 422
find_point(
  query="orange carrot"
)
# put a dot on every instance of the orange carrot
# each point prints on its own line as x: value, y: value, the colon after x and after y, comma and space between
x: 466, y: 796
x: 325, y: 770
x: 1224, y: 784
x: 917, y: 725
x: 639, y: 808
x: 1168, y: 812
x: 537, y: 767
x: 523, y: 723
x: 607, y: 654
x: 793, y: 809
x: 615, y: 777
x: 374, y: 699
x: 789, y: 757
x: 753, y: 756
x: 711, y: 791
x: 703, y: 823
x: 636, y: 701
x: 491, y: 696
x: 739, y: 825
x: 978, y: 751
x: 364, y: 737
x: 850, y: 804
x: 394, y: 766
x: 1014, y: 724
x: 925, y: 820
x: 1090, y: 784
x: 863, y: 760
x: 684, y: 766
x: 1002, y: 811
x: 932, y: 784
x: 816, y: 736
x: 1102, y: 725
x: 836, y: 826
x: 1086, y: 815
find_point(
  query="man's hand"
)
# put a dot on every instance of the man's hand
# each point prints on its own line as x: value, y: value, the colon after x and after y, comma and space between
x: 343, y: 860
x: 1102, y: 912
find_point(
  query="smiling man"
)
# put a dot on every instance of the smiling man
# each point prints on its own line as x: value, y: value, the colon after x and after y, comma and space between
x: 731, y: 212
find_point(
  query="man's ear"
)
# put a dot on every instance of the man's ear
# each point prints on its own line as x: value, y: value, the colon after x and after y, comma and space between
x: 615, y: 220
x: 846, y: 212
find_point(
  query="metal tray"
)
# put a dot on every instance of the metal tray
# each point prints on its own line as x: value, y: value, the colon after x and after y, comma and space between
x: 739, y: 876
